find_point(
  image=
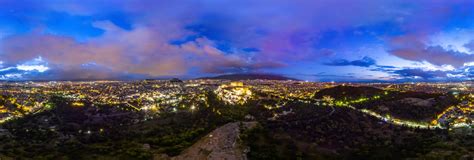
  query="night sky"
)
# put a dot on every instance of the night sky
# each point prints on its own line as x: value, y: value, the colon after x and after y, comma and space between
x: 333, y: 40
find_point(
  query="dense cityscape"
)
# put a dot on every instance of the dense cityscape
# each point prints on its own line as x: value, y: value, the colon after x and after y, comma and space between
x: 40, y: 118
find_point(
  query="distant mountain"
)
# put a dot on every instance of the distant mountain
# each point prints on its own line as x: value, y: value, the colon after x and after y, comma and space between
x: 250, y: 76
x: 176, y: 80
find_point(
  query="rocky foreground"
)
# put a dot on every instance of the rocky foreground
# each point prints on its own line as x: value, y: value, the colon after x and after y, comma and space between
x: 220, y: 144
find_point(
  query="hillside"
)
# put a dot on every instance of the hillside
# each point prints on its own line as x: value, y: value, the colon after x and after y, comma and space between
x: 348, y: 92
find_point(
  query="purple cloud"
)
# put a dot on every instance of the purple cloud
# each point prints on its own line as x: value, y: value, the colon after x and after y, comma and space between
x: 416, y: 72
x: 364, y: 62
x: 412, y: 48
x: 470, y: 45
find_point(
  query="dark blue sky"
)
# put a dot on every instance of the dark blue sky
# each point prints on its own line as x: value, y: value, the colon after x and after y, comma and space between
x: 339, y: 40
